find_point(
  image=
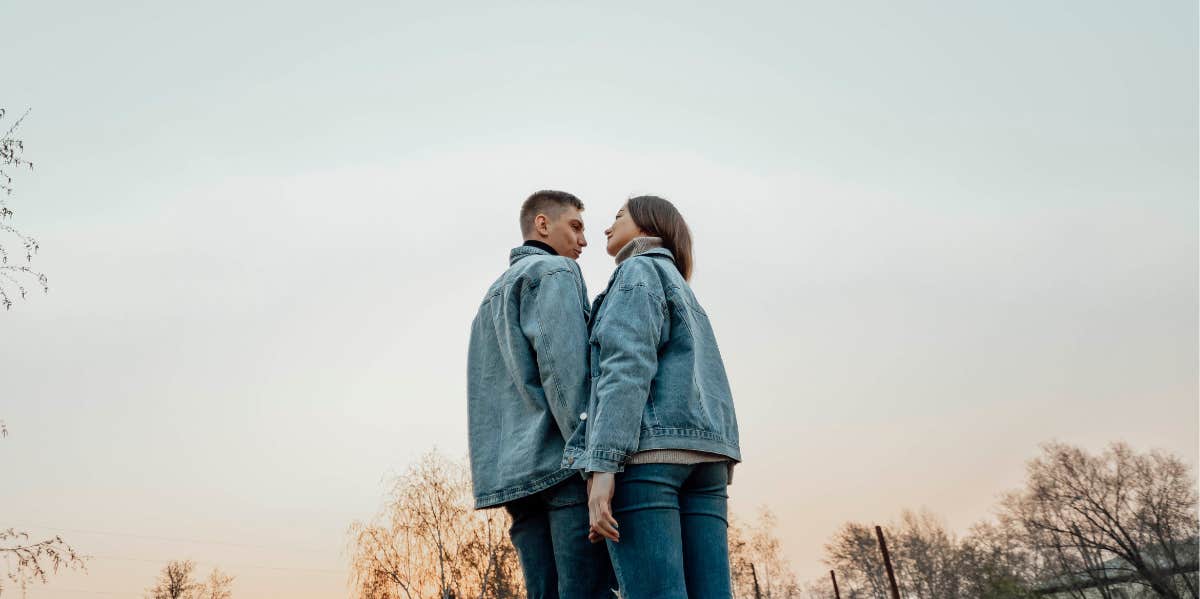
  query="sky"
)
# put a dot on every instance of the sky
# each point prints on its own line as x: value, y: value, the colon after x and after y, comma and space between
x: 930, y: 236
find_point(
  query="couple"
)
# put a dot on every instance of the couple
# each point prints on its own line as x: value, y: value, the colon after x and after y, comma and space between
x: 629, y: 395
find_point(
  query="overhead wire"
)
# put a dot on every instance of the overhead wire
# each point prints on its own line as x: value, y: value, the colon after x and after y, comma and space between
x: 170, y: 539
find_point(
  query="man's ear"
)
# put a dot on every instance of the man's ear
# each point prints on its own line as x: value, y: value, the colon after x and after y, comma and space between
x: 541, y: 224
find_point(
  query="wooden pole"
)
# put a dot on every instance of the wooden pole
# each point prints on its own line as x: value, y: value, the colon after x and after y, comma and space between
x: 836, y: 594
x: 754, y: 575
x: 887, y: 561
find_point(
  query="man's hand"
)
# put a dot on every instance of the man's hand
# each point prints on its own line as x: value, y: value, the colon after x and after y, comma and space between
x: 602, y: 525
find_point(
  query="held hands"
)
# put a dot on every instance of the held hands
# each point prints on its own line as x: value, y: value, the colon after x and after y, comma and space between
x: 600, y: 518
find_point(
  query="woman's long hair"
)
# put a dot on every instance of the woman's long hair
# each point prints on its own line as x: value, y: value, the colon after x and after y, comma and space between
x: 660, y: 218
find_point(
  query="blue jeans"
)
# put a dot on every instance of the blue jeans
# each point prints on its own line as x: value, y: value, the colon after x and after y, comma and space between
x: 549, y: 531
x: 674, y: 531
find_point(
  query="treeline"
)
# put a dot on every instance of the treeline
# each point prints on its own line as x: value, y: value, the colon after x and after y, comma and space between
x: 429, y: 543
x: 177, y: 580
x: 1113, y: 525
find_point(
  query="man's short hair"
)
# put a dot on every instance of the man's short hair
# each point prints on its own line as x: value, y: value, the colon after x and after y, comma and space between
x: 548, y: 202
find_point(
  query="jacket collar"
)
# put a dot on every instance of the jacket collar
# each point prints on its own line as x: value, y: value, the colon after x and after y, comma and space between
x: 660, y: 252
x: 541, y: 246
x: 525, y: 251
x: 663, y: 253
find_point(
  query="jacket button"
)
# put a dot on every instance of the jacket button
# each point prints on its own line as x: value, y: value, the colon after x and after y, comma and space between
x: 583, y: 415
x: 570, y: 460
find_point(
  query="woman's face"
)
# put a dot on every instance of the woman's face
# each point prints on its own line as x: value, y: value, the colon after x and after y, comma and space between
x: 622, y: 231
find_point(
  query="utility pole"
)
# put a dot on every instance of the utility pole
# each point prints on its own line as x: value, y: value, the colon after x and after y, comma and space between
x: 887, y: 561
x: 836, y: 593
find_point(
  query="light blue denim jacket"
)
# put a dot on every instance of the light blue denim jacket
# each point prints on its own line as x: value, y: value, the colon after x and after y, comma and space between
x: 658, y: 381
x: 527, y: 376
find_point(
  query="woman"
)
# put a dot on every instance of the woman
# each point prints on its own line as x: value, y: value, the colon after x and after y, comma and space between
x: 660, y: 434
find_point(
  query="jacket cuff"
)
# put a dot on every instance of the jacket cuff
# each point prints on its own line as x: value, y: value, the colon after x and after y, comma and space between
x: 596, y: 460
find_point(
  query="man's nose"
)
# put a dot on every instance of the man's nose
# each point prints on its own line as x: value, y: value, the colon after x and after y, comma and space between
x: 582, y: 241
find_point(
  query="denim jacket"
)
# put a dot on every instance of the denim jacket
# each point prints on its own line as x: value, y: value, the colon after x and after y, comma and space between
x: 658, y: 381
x: 527, y: 376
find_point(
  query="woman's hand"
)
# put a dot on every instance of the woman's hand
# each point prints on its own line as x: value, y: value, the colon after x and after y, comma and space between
x: 600, y: 518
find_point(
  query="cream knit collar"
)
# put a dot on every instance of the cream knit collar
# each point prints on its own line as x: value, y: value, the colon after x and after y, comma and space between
x: 638, y: 245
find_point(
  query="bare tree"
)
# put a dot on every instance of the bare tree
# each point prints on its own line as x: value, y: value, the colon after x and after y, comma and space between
x: 1117, y: 515
x: 28, y: 561
x: 14, y: 276
x: 821, y: 588
x: 926, y: 557
x: 1083, y: 525
x: 177, y: 581
x: 218, y: 586
x: 24, y: 561
x: 854, y: 554
x: 428, y: 542
x: 995, y: 563
x: 930, y: 561
x: 491, y: 558
x: 756, y: 561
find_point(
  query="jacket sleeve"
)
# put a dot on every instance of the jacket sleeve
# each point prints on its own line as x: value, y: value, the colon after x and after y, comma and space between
x: 627, y: 340
x: 557, y: 330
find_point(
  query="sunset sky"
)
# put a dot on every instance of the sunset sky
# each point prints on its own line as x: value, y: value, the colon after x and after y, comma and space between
x: 930, y: 236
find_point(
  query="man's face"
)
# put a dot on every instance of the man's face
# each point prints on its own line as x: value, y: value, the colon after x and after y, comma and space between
x: 564, y: 234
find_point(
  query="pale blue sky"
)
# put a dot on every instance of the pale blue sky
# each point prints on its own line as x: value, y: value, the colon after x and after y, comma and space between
x: 930, y: 236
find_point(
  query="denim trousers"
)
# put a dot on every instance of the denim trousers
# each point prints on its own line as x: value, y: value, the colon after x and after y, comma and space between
x: 674, y: 531
x: 549, y: 530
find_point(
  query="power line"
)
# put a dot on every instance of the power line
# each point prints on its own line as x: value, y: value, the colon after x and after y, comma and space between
x: 207, y: 563
x: 221, y: 565
x: 58, y: 590
x: 172, y: 539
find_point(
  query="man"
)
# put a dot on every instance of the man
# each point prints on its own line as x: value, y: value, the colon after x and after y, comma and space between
x: 527, y: 387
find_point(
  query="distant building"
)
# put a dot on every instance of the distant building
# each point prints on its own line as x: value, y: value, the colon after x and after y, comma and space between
x: 1122, y: 581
